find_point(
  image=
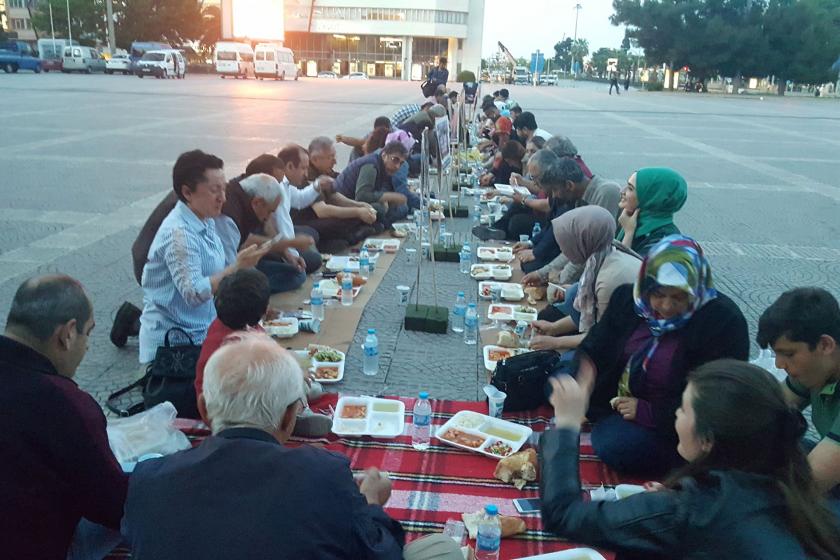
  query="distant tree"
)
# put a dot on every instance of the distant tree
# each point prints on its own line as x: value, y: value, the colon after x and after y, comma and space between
x: 87, y: 18
x: 174, y: 21
x: 600, y: 57
x: 563, y: 53
x: 521, y: 61
x: 580, y: 50
x: 211, y: 28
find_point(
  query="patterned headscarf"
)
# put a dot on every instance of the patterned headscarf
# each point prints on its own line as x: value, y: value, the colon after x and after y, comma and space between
x: 678, y: 262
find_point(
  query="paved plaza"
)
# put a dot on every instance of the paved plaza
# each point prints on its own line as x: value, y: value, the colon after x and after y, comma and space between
x: 84, y: 159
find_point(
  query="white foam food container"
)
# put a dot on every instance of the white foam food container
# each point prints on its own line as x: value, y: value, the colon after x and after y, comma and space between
x: 500, y: 312
x: 338, y: 263
x: 282, y: 327
x: 481, y: 271
x: 502, y: 254
x: 315, y: 364
x: 490, y: 364
x: 382, y: 418
x: 571, y: 554
x: 626, y: 490
x: 508, y: 190
x: 331, y: 289
x: 485, y: 286
x: 519, y: 315
x: 491, y: 431
x: 374, y: 245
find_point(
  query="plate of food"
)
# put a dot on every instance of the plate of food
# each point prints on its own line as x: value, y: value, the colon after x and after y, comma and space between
x: 494, y: 354
x: 477, y: 432
x: 359, y: 416
x: 481, y: 271
x: 331, y: 289
x: 502, y: 272
x: 325, y: 363
x: 524, y: 313
x: 508, y: 190
x: 503, y: 254
x: 338, y: 263
x: 281, y: 327
x: 377, y: 245
x: 500, y: 312
x: 511, y: 291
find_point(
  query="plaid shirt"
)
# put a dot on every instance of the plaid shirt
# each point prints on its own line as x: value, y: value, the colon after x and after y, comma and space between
x: 403, y: 113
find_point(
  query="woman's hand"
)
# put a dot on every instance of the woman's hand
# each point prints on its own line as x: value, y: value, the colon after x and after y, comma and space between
x: 525, y: 256
x: 533, y: 279
x: 543, y: 342
x: 569, y: 400
x: 543, y: 327
x: 628, y: 222
x: 521, y: 246
x: 626, y: 406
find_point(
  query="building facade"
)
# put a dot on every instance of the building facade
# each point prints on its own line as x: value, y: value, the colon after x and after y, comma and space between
x: 399, y: 39
x: 17, y: 19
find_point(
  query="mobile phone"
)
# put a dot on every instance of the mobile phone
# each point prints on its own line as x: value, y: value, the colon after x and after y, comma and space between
x: 527, y: 505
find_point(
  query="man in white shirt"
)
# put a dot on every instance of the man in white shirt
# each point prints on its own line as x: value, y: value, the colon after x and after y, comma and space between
x: 526, y: 128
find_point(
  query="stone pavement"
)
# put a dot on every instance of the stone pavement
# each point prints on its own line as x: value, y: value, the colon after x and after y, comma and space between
x: 84, y: 158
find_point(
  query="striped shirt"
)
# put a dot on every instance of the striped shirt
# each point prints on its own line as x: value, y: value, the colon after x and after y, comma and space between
x: 184, y: 255
x: 403, y: 113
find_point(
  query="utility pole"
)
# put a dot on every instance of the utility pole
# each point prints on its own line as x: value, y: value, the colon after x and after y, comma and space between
x: 69, y: 26
x: 112, y: 40
x: 577, y: 10
x: 52, y: 29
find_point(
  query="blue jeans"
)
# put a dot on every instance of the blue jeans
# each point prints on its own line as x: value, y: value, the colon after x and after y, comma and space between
x: 282, y: 276
x: 92, y: 541
x: 630, y: 448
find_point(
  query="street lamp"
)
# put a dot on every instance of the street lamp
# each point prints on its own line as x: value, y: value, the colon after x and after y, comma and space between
x: 577, y: 10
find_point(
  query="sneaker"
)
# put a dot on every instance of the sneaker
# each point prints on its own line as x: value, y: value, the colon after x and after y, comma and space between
x: 484, y: 233
x: 312, y: 425
x: 126, y: 323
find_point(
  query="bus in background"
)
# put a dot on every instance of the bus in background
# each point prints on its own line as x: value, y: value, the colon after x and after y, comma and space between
x: 51, y: 52
x: 274, y: 61
x: 234, y: 59
x: 139, y: 48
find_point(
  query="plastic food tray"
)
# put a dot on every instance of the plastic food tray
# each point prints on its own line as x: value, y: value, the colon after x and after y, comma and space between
x: 384, y: 418
x: 332, y: 290
x: 508, y: 312
x: 377, y: 245
x: 491, y: 364
x: 501, y: 254
x: 484, y: 289
x: 492, y: 430
x: 488, y: 271
x: 315, y: 363
x: 571, y: 554
x: 281, y: 331
x: 508, y: 190
x: 339, y: 263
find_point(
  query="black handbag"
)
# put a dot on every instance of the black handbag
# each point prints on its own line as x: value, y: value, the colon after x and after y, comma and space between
x: 523, y: 378
x: 169, y: 377
x: 428, y: 88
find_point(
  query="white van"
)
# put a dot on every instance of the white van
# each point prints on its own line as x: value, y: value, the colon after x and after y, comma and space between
x: 164, y: 63
x: 274, y: 61
x: 82, y: 59
x: 234, y: 59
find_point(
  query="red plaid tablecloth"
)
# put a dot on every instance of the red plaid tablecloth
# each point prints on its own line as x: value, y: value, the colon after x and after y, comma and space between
x: 443, y: 482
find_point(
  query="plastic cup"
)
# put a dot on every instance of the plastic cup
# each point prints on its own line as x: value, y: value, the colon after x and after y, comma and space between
x: 427, y: 248
x: 310, y: 325
x: 446, y: 239
x: 410, y: 254
x: 403, y: 292
x: 495, y: 404
x: 524, y: 238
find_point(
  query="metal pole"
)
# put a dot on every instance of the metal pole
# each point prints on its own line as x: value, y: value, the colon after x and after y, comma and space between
x: 69, y: 27
x: 577, y: 9
x: 52, y: 29
x: 112, y: 39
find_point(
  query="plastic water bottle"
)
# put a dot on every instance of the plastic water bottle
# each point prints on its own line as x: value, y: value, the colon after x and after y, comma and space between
x: 536, y: 231
x: 316, y: 302
x: 463, y: 261
x: 364, y: 263
x: 489, y: 537
x: 422, y: 419
x: 459, y: 312
x: 468, y: 251
x: 476, y: 215
x: 471, y: 325
x: 371, y: 361
x: 347, y: 287
x: 442, y: 230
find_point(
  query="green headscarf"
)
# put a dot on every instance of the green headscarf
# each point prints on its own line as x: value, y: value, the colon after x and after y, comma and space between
x: 661, y: 192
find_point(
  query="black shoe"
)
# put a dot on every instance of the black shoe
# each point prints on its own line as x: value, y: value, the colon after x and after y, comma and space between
x: 484, y: 233
x: 333, y: 246
x: 126, y: 323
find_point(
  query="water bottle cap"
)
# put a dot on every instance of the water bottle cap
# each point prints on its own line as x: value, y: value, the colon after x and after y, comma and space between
x: 371, y: 331
x: 316, y: 285
x: 460, y: 294
x: 472, y: 305
x: 491, y: 509
x: 424, y: 395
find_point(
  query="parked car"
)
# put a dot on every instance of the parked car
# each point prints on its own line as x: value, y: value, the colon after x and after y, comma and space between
x: 168, y: 63
x: 118, y: 63
x: 11, y: 62
x: 548, y: 80
x: 356, y: 76
x: 328, y: 74
x: 48, y: 64
x: 82, y: 59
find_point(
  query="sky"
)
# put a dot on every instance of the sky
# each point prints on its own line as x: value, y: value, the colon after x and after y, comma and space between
x: 524, y: 26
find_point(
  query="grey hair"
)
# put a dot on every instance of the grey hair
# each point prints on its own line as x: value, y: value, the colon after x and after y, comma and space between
x: 562, y: 146
x: 543, y: 159
x: 42, y: 303
x: 262, y: 185
x: 320, y: 144
x: 560, y: 171
x: 250, y: 382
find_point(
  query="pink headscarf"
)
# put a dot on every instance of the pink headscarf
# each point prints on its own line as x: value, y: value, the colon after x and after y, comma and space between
x: 402, y: 137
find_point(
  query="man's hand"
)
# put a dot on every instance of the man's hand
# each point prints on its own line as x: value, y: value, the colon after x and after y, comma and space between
x: 521, y: 246
x: 251, y: 255
x: 326, y: 185
x: 300, y: 263
x: 339, y: 138
x: 569, y: 400
x: 626, y: 406
x: 394, y: 198
x: 518, y: 198
x: 516, y: 179
x: 543, y: 327
x: 301, y: 242
x: 533, y: 279
x: 525, y: 256
x: 366, y: 214
x: 375, y: 487
x: 628, y: 222
x: 486, y: 179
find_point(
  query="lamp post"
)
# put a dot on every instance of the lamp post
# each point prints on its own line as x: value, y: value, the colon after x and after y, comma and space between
x: 112, y: 40
x: 577, y: 9
x: 69, y: 27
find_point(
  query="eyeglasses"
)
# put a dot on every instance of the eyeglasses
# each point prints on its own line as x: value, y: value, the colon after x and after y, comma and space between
x: 396, y: 160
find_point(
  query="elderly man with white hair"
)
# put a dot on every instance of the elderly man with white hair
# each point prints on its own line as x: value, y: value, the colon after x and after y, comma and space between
x: 243, y: 493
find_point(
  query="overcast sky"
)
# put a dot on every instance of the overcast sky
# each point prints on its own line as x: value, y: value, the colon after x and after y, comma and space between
x: 524, y: 26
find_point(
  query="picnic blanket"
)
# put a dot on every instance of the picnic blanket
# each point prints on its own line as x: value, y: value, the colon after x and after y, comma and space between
x: 430, y: 487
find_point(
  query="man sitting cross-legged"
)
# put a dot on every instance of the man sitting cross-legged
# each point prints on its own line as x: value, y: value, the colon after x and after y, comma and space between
x: 243, y: 493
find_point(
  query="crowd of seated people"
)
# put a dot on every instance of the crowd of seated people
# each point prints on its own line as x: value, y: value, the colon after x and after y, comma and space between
x: 654, y: 357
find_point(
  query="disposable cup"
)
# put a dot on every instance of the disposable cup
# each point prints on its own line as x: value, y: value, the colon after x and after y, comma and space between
x: 410, y: 254
x: 403, y: 293
x: 495, y: 404
x: 524, y: 238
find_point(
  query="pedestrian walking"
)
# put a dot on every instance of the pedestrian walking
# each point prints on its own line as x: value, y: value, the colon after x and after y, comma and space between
x: 613, y: 75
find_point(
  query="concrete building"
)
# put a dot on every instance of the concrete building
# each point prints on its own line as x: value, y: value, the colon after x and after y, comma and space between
x: 17, y: 19
x: 399, y: 39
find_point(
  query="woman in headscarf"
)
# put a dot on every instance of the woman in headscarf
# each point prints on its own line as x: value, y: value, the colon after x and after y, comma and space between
x: 648, y: 204
x: 653, y: 334
x: 586, y: 236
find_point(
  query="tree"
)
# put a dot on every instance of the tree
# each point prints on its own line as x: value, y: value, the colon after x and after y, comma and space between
x: 580, y: 49
x: 808, y: 57
x: 563, y: 53
x: 600, y: 57
x: 211, y: 28
x: 522, y: 61
x: 174, y: 21
x: 87, y: 18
